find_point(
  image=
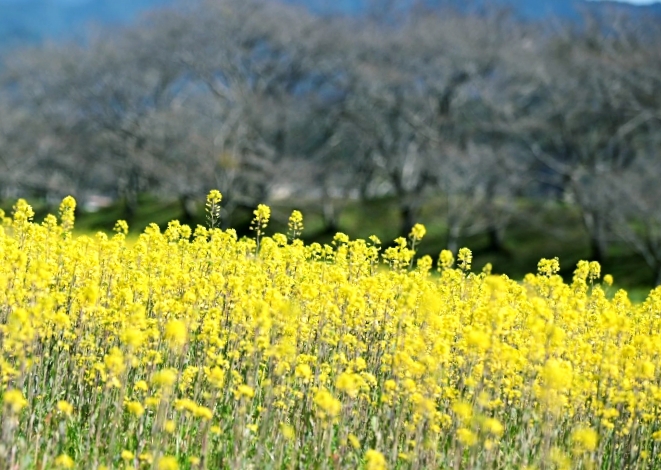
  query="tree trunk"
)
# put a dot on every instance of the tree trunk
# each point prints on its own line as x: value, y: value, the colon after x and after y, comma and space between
x: 496, y: 242
x: 227, y: 213
x: 130, y: 195
x: 594, y: 225
x: 597, y: 249
x: 329, y: 214
x: 657, y: 282
x: 453, y: 238
x: 407, y: 214
x: 188, y: 213
x: 130, y: 209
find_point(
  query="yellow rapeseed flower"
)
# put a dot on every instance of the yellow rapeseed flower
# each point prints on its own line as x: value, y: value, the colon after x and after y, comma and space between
x: 165, y: 377
x: 445, y: 259
x: 14, y: 400
x: 493, y: 426
x: 346, y: 382
x: 466, y: 437
x: 141, y: 385
x: 548, y: 267
x: 203, y: 412
x: 295, y: 223
x: 121, y: 226
x: 585, y: 439
x: 67, y: 210
x: 167, y: 463
x: 287, y: 431
x: 262, y: 216
x: 418, y: 232
x: 64, y: 461
x: 375, y: 460
x: 135, y: 408
x: 303, y: 371
x: 465, y: 258
x: 329, y: 405
x: 169, y: 426
x: 176, y: 333
x: 463, y: 410
x: 244, y: 391
x: 213, y: 207
x: 64, y: 407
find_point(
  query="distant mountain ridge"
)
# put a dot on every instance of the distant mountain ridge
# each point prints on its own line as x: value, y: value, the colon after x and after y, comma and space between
x: 30, y: 21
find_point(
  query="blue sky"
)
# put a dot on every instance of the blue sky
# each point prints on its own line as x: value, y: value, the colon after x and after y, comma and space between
x: 640, y: 2
x: 635, y: 2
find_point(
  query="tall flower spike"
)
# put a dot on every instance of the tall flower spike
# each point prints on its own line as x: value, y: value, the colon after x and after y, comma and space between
x: 295, y: 224
x: 67, y: 216
x: 261, y: 221
x: 23, y: 213
x: 121, y: 227
x: 445, y: 260
x: 465, y: 257
x: 417, y: 233
x: 213, y: 207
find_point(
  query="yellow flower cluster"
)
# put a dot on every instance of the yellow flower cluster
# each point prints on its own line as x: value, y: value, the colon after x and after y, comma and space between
x: 192, y: 348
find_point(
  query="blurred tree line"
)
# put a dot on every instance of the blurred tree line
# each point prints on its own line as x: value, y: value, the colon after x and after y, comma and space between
x: 262, y: 99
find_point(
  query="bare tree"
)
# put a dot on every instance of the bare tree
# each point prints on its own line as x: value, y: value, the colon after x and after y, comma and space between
x: 130, y: 107
x: 573, y: 126
x: 635, y: 195
x: 95, y: 101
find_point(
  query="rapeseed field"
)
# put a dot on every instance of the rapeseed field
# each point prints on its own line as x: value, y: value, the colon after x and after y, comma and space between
x: 192, y: 348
